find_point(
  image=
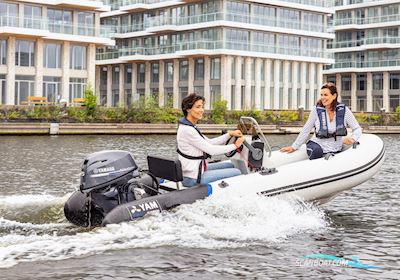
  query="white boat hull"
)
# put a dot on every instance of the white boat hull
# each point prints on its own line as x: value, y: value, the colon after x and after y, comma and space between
x: 317, y: 180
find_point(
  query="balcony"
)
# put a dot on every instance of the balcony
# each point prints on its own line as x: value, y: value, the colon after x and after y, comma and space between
x: 163, y: 22
x: 214, y: 45
x: 367, y: 20
x: 50, y: 26
x: 365, y: 42
x: 115, y: 5
x: 364, y: 64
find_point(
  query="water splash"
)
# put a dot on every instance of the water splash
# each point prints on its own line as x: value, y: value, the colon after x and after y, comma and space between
x: 228, y: 220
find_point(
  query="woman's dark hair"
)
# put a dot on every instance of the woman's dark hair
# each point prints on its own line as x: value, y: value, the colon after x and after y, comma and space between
x: 332, y: 88
x: 188, y: 102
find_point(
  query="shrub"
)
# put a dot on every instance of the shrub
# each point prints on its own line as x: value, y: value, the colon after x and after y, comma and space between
x: 397, y: 113
x: 90, y: 101
x: 219, y: 112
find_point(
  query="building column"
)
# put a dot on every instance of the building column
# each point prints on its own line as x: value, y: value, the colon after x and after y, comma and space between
x: 207, y: 75
x: 277, y: 65
x: 134, y: 94
x: 10, y: 77
x: 247, y: 83
x: 176, y: 84
x: 295, y: 74
x: 258, y: 83
x: 238, y: 83
x: 354, y: 92
x: 97, y: 24
x: 303, y: 85
x: 339, y: 85
x: 91, y: 65
x: 312, y: 98
x: 161, y: 74
x: 386, y: 78
x: 319, y: 80
x: 65, y: 71
x: 109, y: 85
x: 20, y: 13
x: 38, y: 68
x: 190, y: 75
x: 75, y: 23
x: 147, y: 79
x: 226, y: 79
x: 97, y: 83
x: 267, y: 83
x: 286, y: 69
x: 369, y: 92
x: 122, y: 96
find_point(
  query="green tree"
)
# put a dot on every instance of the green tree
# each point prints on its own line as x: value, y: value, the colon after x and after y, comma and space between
x: 90, y: 101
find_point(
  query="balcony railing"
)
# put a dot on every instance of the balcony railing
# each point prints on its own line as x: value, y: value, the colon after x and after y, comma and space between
x: 115, y: 5
x: 213, y: 45
x: 364, y: 64
x: 367, y: 20
x: 365, y: 41
x: 56, y: 26
x: 158, y: 21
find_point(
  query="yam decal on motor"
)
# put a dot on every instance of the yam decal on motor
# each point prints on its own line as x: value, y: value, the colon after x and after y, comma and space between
x: 139, y: 210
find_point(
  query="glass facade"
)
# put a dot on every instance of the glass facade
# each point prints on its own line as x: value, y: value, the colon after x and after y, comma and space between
x: 76, y: 88
x: 78, y: 59
x: 24, y: 87
x: 52, y: 55
x: 24, y: 53
x: 3, y: 51
x: 51, y: 88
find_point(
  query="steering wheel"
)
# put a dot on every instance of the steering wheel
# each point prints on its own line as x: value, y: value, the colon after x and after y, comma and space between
x: 232, y: 140
x: 256, y: 153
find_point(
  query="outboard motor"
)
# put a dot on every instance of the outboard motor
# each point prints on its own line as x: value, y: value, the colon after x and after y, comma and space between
x: 108, y: 179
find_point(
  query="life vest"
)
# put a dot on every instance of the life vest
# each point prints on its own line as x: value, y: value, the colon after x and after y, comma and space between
x: 184, y: 121
x: 323, y: 123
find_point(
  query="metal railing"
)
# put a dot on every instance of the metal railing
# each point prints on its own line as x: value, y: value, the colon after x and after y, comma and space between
x: 55, y: 26
x: 364, y: 64
x: 367, y: 20
x: 213, y: 45
x: 365, y: 41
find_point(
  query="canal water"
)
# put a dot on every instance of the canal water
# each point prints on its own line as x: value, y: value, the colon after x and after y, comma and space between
x: 230, y: 238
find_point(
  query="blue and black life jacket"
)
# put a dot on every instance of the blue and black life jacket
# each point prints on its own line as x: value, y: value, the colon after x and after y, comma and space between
x: 323, y: 122
x: 184, y: 121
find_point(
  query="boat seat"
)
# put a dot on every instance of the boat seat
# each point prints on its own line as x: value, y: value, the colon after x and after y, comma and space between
x: 169, y: 169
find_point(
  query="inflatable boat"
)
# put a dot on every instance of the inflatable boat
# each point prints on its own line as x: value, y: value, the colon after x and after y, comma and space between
x: 113, y: 189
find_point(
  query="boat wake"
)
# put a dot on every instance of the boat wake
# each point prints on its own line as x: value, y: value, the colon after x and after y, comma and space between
x: 229, y: 220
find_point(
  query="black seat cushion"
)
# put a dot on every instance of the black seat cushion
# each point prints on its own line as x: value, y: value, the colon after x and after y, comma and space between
x: 169, y: 169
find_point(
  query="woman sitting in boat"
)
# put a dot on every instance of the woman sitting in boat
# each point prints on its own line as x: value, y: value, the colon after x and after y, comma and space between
x: 194, y: 147
x: 330, y: 119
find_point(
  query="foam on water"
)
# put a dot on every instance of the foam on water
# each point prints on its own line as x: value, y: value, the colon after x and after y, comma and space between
x: 227, y: 220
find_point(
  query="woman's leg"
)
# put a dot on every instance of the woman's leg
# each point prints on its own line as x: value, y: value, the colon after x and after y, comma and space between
x: 314, y: 150
x: 189, y: 182
x: 218, y: 174
x: 219, y: 165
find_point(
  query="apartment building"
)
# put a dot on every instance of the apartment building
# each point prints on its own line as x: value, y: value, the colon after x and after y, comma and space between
x: 253, y: 54
x: 367, y: 54
x: 48, y: 48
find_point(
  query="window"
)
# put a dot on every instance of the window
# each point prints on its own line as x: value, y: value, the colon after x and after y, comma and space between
x: 141, y: 70
x: 361, y: 82
x: 85, y: 23
x: 233, y: 69
x: 3, y: 51
x: 59, y: 21
x: 52, y: 55
x: 155, y: 72
x: 395, y: 81
x: 377, y: 81
x: 77, y: 57
x: 215, y: 94
x: 183, y: 70
x: 25, y: 53
x: 115, y: 77
x: 168, y: 97
x: 3, y: 89
x: 216, y: 69
x: 24, y: 87
x: 346, y: 83
x: 51, y: 88
x: 32, y: 16
x: 183, y: 92
x: 8, y: 14
x: 76, y: 88
x: 169, y: 71
x: 199, y: 69
x: 128, y: 74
